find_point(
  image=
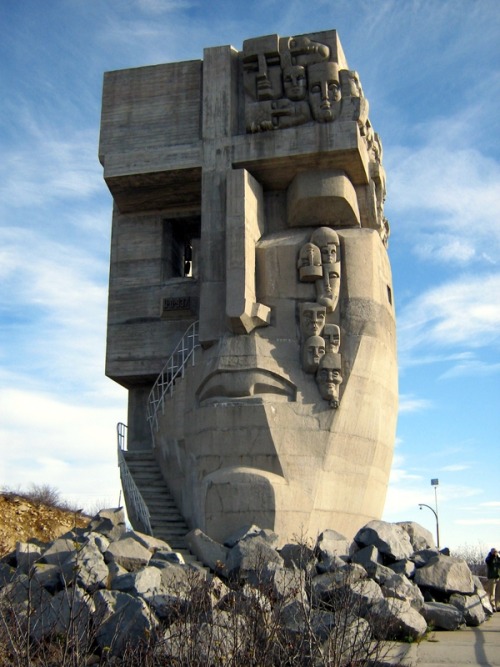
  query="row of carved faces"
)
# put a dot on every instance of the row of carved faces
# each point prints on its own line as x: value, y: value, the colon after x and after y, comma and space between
x: 319, y: 262
x: 297, y: 84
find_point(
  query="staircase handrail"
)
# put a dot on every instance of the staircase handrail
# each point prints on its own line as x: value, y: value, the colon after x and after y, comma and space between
x: 130, y: 489
x: 173, y: 368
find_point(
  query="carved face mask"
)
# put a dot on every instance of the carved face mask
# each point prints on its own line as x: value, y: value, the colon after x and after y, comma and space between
x: 324, y: 91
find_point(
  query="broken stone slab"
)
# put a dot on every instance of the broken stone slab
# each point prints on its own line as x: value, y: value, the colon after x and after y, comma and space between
x: 151, y: 543
x: 175, y: 591
x: 483, y: 595
x: 329, y: 564
x: 330, y: 543
x: 251, y: 531
x: 297, y: 556
x: 390, y: 539
x: 122, y: 620
x: 27, y: 553
x: 391, y: 618
x: 48, y: 576
x: 420, y: 537
x: 401, y: 588
x: 369, y: 557
x: 143, y: 583
x: 208, y: 551
x: 378, y: 573
x: 470, y: 607
x: 160, y: 557
x: 70, y: 610
x: 249, y: 558
x: 109, y: 522
x: 285, y: 583
x: 350, y: 640
x: 128, y: 552
x: 59, y: 550
x: 405, y: 566
x: 442, y: 616
x: 7, y: 573
x: 293, y: 616
x: 445, y: 574
x: 86, y: 565
x: 424, y: 556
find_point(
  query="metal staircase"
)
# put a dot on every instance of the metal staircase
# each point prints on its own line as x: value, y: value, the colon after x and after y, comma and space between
x: 171, y: 371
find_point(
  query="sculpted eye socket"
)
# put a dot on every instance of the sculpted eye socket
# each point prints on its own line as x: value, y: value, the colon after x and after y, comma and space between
x: 315, y: 88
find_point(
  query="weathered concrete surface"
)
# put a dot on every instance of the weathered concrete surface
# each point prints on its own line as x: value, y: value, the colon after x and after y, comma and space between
x: 249, y: 196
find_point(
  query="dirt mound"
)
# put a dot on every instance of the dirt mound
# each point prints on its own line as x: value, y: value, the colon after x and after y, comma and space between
x: 22, y: 519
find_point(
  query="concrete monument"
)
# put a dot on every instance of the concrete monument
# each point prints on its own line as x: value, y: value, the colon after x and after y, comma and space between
x: 251, y: 315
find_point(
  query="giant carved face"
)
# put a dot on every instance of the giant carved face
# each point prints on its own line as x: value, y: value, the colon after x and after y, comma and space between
x: 287, y: 418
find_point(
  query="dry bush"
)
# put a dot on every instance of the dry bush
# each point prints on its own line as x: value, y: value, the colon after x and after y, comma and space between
x: 210, y: 623
x: 473, y: 555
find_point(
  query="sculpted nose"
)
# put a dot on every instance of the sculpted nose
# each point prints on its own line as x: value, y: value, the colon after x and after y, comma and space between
x: 245, y: 223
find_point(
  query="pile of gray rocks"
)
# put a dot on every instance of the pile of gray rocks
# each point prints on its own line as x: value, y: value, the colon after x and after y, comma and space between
x: 123, y: 586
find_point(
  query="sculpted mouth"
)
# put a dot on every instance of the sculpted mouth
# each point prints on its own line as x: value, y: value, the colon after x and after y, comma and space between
x: 251, y: 385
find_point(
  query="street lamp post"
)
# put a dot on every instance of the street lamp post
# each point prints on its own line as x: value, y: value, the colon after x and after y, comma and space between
x: 435, y: 484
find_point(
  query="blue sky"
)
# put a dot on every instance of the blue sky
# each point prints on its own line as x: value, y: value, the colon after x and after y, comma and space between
x: 431, y: 72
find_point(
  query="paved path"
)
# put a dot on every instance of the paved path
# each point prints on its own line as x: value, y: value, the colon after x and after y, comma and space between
x: 470, y: 646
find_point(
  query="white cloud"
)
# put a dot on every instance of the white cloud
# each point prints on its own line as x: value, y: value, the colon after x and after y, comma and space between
x: 409, y: 403
x: 65, y: 444
x: 471, y: 368
x: 463, y: 312
x: 475, y: 522
x: 456, y: 467
x: 49, y: 166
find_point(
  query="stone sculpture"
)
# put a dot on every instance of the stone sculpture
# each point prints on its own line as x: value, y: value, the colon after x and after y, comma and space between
x: 249, y: 192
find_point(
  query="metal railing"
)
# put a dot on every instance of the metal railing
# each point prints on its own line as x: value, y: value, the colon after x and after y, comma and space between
x: 130, y: 490
x: 173, y: 369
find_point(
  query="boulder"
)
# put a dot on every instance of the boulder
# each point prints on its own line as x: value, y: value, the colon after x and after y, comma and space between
x: 470, y: 607
x: 143, y: 583
x: 368, y: 557
x: 86, y: 566
x: 293, y: 616
x: 128, y: 552
x: 442, y: 616
x: 297, y: 556
x: 58, y: 550
x: 424, y: 556
x: 390, y: 539
x: 26, y: 554
x: 48, y: 576
x: 69, y: 611
x: 330, y: 543
x: 391, y: 618
x: 122, y: 620
x: 445, y: 574
x: 405, y: 566
x: 109, y: 522
x: 399, y: 587
x: 420, y: 537
x: 151, y: 543
x: 208, y: 551
x: 252, y: 531
x: 249, y: 558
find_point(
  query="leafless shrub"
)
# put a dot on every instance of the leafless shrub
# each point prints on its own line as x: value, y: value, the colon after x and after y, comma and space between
x: 273, y: 622
x: 473, y: 555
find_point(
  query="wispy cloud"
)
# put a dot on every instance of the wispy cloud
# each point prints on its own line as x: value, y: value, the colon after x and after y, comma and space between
x: 463, y: 312
x: 409, y: 403
x: 456, y: 467
x: 477, y: 521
